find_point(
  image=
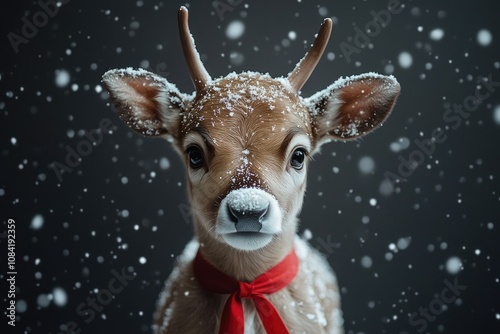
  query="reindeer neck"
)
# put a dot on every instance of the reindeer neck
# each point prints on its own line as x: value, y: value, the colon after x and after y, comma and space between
x: 243, y: 265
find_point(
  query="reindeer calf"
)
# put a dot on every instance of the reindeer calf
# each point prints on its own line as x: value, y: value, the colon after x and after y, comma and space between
x: 246, y: 140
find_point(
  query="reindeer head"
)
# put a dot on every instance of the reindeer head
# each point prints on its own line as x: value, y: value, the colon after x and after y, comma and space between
x: 246, y: 139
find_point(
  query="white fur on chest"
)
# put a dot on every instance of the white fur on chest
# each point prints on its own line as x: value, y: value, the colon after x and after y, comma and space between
x: 250, y: 314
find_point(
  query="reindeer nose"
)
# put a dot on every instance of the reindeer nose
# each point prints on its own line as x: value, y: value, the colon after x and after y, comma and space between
x: 247, y: 220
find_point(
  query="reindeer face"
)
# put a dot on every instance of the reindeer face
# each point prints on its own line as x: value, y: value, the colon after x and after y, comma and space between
x: 245, y: 142
x: 246, y: 139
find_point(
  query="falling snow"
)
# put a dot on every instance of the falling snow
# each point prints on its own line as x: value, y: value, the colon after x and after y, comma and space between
x: 125, y: 204
x: 60, y: 297
x: 496, y: 115
x: 37, y: 222
x: 436, y: 34
x: 366, y: 262
x: 484, y: 37
x: 366, y: 165
x: 235, y: 29
x: 401, y: 144
x: 453, y: 265
x: 43, y: 300
x: 62, y: 78
x: 405, y: 59
x: 164, y: 163
x: 403, y: 243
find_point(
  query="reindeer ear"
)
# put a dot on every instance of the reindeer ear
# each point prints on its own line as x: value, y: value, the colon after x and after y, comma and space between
x: 146, y: 102
x: 352, y: 107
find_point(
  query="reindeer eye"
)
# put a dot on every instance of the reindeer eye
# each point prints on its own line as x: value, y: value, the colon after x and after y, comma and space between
x: 195, y: 157
x: 298, y: 158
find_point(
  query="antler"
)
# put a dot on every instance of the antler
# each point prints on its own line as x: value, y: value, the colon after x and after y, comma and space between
x: 199, y: 74
x: 306, y: 65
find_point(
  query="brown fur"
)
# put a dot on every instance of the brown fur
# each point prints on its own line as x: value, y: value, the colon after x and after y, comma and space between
x: 250, y: 127
x: 233, y: 134
x: 244, y: 125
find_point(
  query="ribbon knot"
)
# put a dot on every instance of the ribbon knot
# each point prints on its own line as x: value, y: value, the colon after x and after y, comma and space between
x: 232, y: 320
x: 245, y: 290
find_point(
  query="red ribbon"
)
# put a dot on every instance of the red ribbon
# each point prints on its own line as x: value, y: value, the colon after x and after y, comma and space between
x: 232, y: 322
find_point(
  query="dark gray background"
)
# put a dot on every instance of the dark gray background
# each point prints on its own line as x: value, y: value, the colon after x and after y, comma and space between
x: 449, y: 206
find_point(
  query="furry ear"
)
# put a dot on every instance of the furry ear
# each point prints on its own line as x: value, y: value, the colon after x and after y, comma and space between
x: 146, y: 102
x: 352, y: 107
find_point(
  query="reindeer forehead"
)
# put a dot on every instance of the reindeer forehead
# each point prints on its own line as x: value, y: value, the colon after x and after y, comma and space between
x: 247, y: 103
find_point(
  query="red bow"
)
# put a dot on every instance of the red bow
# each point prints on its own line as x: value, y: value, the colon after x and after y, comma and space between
x: 275, y: 279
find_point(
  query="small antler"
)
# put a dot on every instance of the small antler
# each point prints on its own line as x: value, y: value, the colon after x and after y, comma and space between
x: 306, y: 65
x: 199, y: 74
